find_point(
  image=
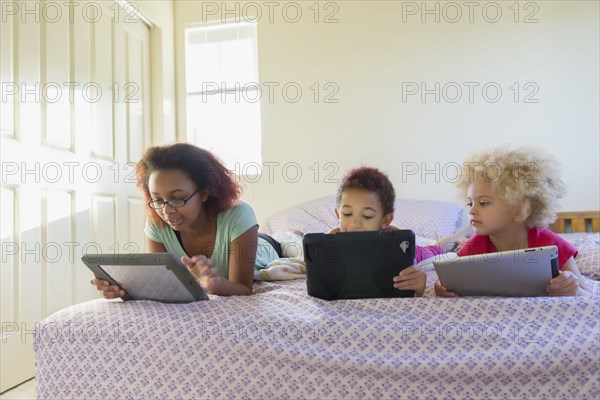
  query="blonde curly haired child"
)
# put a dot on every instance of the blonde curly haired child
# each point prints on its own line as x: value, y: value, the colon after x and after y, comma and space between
x: 512, y: 197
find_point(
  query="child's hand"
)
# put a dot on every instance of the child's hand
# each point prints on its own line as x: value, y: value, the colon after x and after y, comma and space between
x: 411, y: 278
x: 441, y: 291
x: 455, y: 241
x: 202, y: 268
x: 457, y: 245
x: 565, y: 284
x: 108, y: 291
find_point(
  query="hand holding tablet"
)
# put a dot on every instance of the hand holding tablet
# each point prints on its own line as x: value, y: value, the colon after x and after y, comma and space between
x: 147, y: 276
x: 357, y: 265
x: 523, y: 273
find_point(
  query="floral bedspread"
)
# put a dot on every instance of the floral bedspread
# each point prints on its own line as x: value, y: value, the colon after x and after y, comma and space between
x: 282, y: 343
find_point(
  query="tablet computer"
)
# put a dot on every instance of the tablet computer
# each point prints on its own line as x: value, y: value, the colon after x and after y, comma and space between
x: 147, y: 276
x: 522, y: 273
x: 356, y: 265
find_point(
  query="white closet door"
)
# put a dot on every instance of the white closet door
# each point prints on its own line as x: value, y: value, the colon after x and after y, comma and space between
x: 75, y: 117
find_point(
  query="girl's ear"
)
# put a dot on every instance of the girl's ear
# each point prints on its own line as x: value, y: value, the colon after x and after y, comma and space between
x: 523, y: 212
x: 337, y: 213
x: 387, y: 219
x: 204, y: 195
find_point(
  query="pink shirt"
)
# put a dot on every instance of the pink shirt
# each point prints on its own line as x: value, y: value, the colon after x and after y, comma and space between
x: 423, y: 253
x: 536, y: 237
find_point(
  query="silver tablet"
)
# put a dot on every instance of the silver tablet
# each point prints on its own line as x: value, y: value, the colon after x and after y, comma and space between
x: 522, y: 273
x: 147, y: 276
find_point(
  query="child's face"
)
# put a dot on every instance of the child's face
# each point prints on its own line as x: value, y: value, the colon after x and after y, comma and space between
x: 360, y: 210
x: 167, y: 185
x: 489, y: 214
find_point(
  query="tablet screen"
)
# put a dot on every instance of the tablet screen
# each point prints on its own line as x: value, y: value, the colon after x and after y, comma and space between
x: 139, y: 280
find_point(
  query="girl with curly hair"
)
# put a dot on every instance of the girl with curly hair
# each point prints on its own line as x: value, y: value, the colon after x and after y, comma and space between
x: 194, y: 212
x: 512, y: 198
x: 365, y: 202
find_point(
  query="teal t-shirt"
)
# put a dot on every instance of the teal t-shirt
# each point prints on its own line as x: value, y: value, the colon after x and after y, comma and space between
x: 231, y: 224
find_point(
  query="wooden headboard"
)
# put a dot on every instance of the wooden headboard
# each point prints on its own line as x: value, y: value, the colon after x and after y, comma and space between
x: 577, y: 221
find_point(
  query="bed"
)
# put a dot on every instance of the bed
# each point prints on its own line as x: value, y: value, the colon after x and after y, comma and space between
x: 282, y: 343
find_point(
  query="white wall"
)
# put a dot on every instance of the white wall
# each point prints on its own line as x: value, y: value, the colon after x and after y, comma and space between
x: 370, y: 54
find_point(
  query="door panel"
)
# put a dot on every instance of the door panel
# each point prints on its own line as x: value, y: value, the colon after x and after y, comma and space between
x: 54, y: 72
x: 57, y: 266
x: 98, y: 91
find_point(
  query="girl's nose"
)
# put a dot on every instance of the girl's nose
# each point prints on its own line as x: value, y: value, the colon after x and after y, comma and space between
x: 169, y: 209
x: 356, y: 223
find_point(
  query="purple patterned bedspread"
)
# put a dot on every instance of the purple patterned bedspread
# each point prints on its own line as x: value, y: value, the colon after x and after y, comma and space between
x: 281, y: 343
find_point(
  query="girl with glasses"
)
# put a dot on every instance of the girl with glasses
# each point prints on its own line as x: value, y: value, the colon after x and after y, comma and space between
x: 195, y: 212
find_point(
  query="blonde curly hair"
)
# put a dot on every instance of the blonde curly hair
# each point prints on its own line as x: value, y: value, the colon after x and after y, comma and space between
x: 523, y: 177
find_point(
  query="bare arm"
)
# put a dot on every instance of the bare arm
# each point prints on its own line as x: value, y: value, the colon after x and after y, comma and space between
x: 155, y: 247
x: 450, y: 243
x: 242, y: 255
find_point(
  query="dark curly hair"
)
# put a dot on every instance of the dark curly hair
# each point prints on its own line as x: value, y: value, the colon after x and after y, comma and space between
x: 201, y: 166
x: 373, y: 180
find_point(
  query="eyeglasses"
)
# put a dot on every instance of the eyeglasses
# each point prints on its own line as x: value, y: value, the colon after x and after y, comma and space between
x: 175, y: 203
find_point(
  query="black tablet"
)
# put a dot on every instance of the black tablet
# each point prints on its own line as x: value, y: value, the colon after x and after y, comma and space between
x: 356, y: 265
x: 147, y: 276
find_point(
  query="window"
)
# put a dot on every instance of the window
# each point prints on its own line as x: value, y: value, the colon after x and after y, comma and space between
x: 223, y: 94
